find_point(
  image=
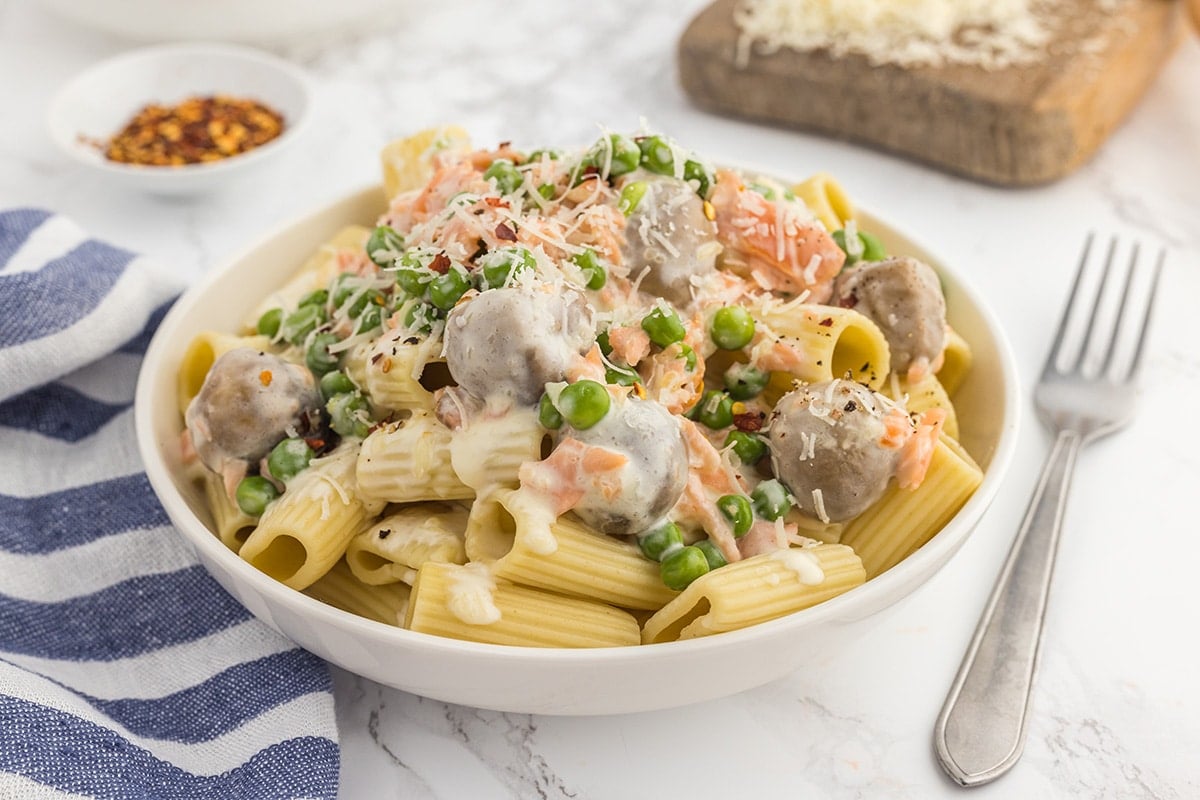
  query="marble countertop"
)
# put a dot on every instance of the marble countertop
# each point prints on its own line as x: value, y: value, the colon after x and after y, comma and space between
x: 1117, y: 709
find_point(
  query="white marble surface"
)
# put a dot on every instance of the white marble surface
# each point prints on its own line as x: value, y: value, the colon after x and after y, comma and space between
x: 1117, y: 708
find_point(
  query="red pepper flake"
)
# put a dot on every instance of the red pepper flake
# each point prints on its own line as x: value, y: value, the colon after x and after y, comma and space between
x: 440, y: 263
x: 265, y: 377
x: 315, y: 443
x: 387, y: 366
x: 505, y: 233
x: 496, y: 202
x: 849, y: 301
x: 749, y: 422
x: 826, y: 323
x: 199, y: 129
x: 385, y: 532
x: 375, y: 358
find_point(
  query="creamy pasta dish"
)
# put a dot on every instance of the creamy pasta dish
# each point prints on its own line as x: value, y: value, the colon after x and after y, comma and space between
x: 606, y: 397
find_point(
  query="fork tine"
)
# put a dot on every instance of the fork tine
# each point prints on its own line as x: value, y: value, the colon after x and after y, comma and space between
x: 1060, y: 334
x: 1135, y: 365
x: 1111, y: 349
x: 1086, y: 341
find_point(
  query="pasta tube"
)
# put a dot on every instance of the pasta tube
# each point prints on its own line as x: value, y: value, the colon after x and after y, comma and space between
x: 302, y: 534
x: 205, y: 348
x: 836, y: 343
x: 956, y: 361
x: 409, y: 461
x: 755, y: 590
x: 339, y: 588
x: 393, y: 548
x: 408, y: 163
x: 904, y: 519
x: 233, y: 525
x: 923, y: 395
x: 826, y: 199
x: 525, y: 544
x: 466, y: 602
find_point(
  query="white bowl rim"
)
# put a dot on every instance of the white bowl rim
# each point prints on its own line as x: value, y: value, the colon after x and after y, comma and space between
x: 58, y: 119
x: 204, y: 540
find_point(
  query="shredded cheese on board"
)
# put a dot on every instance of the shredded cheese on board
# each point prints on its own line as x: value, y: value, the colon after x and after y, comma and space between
x: 992, y: 34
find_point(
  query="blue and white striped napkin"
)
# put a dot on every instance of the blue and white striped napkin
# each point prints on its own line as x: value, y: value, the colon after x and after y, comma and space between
x: 125, y: 670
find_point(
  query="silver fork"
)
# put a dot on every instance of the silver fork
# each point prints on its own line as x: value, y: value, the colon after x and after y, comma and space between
x: 981, y: 730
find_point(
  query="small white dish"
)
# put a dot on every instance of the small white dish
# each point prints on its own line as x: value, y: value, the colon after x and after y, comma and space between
x: 98, y: 102
x: 536, y: 680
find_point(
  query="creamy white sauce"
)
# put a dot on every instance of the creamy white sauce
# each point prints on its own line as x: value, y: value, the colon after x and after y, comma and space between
x: 534, y: 517
x: 472, y: 595
x: 803, y: 563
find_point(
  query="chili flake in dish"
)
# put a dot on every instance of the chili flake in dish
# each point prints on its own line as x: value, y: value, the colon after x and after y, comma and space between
x: 197, y: 130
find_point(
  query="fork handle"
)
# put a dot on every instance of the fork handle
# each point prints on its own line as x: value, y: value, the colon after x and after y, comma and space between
x: 981, y: 730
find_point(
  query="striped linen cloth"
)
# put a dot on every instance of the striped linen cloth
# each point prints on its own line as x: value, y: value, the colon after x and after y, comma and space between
x: 125, y: 670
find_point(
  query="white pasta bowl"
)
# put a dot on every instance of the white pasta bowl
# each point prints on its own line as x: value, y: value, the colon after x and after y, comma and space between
x: 535, y: 680
x: 99, y: 101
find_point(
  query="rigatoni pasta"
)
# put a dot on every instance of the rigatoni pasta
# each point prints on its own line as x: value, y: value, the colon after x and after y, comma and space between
x: 591, y: 399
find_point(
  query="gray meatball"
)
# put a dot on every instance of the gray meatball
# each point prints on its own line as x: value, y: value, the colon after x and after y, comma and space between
x: 904, y: 298
x: 826, y: 443
x: 249, y: 401
x: 669, y: 233
x: 653, y: 479
x: 513, y: 341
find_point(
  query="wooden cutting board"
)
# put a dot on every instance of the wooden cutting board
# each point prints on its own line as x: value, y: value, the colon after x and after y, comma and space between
x: 1016, y: 126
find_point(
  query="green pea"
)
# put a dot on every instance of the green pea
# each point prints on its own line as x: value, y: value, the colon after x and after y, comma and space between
x: 715, y: 410
x: 679, y: 569
x: 384, y: 245
x: 763, y: 189
x: 853, y: 248
x: 695, y: 171
x: 593, y: 271
x: 737, y: 510
x: 631, y: 196
x: 688, y: 355
x: 661, y: 541
x: 289, y: 458
x: 499, y: 264
x: 547, y: 191
x: 548, y: 416
x: 542, y: 152
x: 745, y: 381
x: 317, y: 357
x: 420, y: 317
x: 732, y: 328
x: 268, y: 323
x: 317, y: 297
x: 605, y: 344
x: 663, y: 327
x: 506, y: 175
x: 621, y: 376
x: 445, y: 290
x: 346, y: 414
x: 712, y: 554
x: 413, y: 280
x: 254, y: 493
x: 750, y: 448
x: 297, y: 325
x: 873, y: 249
x: 770, y: 500
x: 583, y: 404
x: 335, y: 382
x: 625, y: 155
x: 372, y: 318
x: 657, y: 155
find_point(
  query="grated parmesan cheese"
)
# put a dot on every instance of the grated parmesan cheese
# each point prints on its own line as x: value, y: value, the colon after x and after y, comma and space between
x: 989, y: 33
